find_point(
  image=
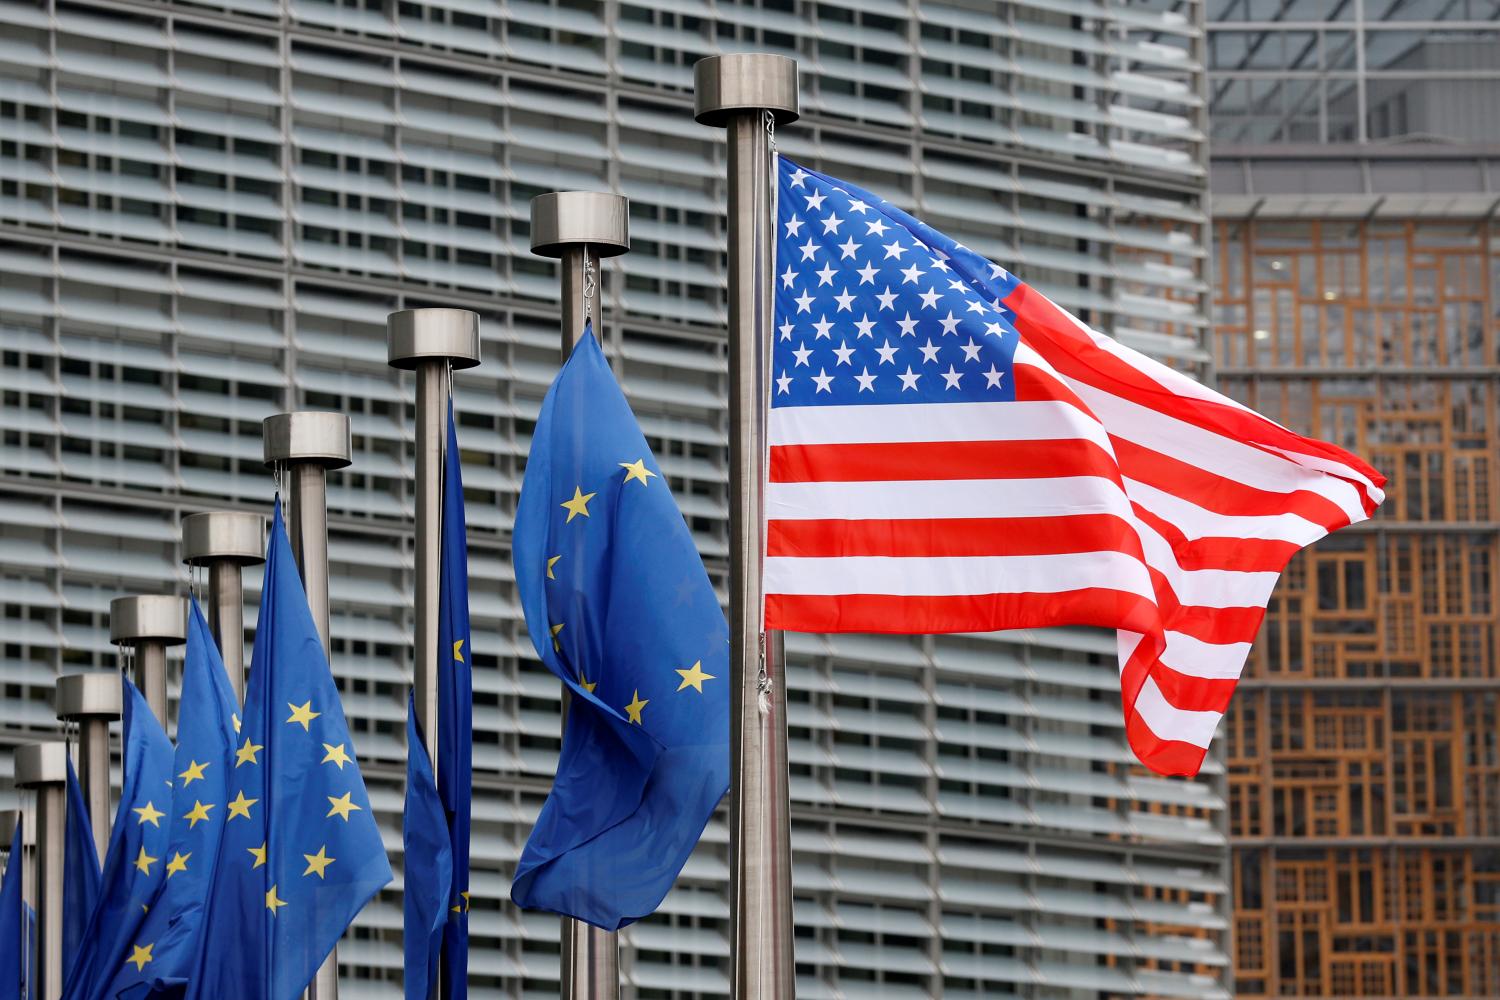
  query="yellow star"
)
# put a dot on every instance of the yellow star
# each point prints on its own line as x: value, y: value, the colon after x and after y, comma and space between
x: 579, y: 504
x: 303, y: 713
x: 694, y: 677
x: 144, y: 861
x: 259, y: 854
x: 464, y: 908
x: 335, y: 755
x: 458, y: 650
x: 246, y: 754
x: 240, y: 806
x: 192, y: 774
x: 550, y: 563
x: 635, y: 706
x: 586, y: 684
x: 341, y: 807
x: 637, y: 470
x: 140, y: 957
x: 148, y: 814
x: 556, y: 646
x: 272, y: 902
x: 178, y: 863
x: 317, y: 863
x: 236, y: 720
x: 199, y: 811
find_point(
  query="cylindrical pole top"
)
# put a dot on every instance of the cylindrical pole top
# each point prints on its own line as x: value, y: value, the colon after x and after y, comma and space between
x: 8, y: 820
x: 560, y: 219
x: 94, y: 696
x: 307, y: 436
x: 148, y: 616
x: 724, y: 86
x: 44, y: 763
x: 216, y: 535
x: 415, y: 335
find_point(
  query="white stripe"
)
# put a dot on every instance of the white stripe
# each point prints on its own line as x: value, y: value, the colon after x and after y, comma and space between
x: 1198, y: 522
x: 925, y: 499
x: 956, y: 575
x: 1169, y: 722
x: 1196, y: 658
x: 1216, y: 453
x: 1335, y: 468
x: 1208, y: 588
x: 906, y: 423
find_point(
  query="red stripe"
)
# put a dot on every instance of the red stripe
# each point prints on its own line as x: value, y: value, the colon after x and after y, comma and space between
x: 959, y: 536
x: 1218, y: 625
x: 967, y: 613
x: 1246, y: 555
x: 849, y: 463
x: 1173, y: 758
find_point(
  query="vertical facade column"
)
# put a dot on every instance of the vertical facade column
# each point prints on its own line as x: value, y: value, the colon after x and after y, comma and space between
x: 226, y: 541
x: 430, y: 342
x: 743, y: 93
x: 43, y: 768
x: 93, y: 701
x: 149, y: 624
x: 308, y: 443
x: 578, y: 228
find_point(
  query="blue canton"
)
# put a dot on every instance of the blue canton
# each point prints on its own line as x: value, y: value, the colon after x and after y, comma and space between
x: 873, y: 306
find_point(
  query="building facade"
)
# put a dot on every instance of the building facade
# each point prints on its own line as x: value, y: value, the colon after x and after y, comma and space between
x: 207, y: 209
x: 1355, y: 184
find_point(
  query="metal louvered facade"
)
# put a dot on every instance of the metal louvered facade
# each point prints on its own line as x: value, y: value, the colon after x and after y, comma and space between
x: 207, y: 210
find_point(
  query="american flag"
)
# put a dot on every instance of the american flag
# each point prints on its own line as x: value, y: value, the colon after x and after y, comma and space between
x: 952, y: 452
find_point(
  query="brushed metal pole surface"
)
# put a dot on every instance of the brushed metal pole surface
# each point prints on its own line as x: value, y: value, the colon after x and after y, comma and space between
x: 51, y: 820
x: 432, y: 421
x: 151, y: 676
x: 759, y: 810
x: 93, y: 776
x: 307, y: 526
x: 226, y: 619
x: 590, y: 968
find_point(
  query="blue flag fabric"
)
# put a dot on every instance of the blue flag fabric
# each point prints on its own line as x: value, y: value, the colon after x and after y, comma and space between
x: 13, y: 935
x: 81, y: 873
x: 619, y: 607
x: 428, y: 865
x: 168, y: 936
x: 134, y: 865
x: 455, y: 770
x: 300, y: 854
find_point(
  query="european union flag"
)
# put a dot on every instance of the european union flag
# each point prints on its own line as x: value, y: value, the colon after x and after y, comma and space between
x: 455, y: 768
x: 166, y: 942
x: 13, y: 936
x: 428, y: 864
x: 134, y: 864
x: 81, y: 872
x: 300, y: 854
x: 619, y: 607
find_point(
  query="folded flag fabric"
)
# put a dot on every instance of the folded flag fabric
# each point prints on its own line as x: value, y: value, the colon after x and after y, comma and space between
x: 952, y: 452
x: 427, y: 868
x: 81, y: 872
x: 13, y: 930
x: 300, y: 854
x: 620, y: 609
x: 135, y: 864
x: 167, y: 940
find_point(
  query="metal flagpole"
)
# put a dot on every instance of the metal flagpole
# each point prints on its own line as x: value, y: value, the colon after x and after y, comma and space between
x: 746, y: 94
x: 93, y: 701
x: 580, y: 227
x: 309, y: 443
x: 44, y: 767
x: 149, y: 623
x: 431, y: 342
x: 226, y: 541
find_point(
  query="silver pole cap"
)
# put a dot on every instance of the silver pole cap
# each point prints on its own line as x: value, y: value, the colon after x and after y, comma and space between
x: 43, y: 763
x: 307, y: 436
x: 93, y: 696
x: 149, y: 616
x: 724, y: 86
x: 415, y: 335
x: 223, y: 535
x: 563, y: 218
x: 8, y: 820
